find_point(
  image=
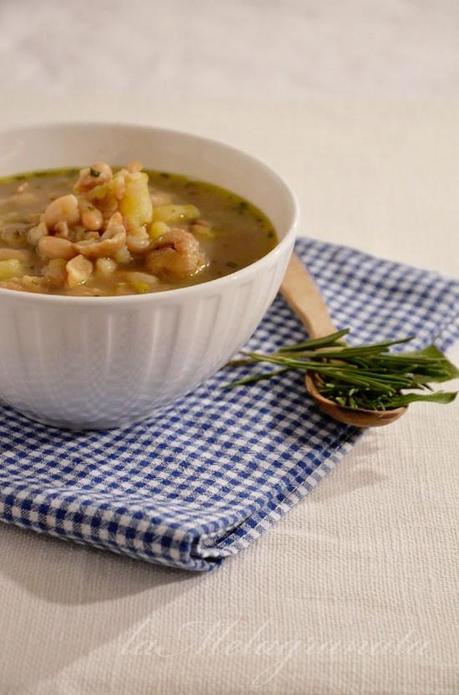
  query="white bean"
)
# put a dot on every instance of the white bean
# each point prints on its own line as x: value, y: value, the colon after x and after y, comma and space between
x: 63, y: 209
x: 79, y: 270
x: 55, y: 247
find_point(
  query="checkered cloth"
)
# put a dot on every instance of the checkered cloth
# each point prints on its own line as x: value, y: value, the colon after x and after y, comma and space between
x: 210, y: 473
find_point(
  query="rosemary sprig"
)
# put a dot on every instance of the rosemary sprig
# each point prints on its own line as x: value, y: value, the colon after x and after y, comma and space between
x: 362, y: 376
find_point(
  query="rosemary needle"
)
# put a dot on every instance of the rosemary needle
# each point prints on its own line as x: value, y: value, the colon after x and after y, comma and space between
x: 368, y: 377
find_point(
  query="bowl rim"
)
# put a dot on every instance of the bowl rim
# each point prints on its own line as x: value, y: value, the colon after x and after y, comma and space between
x: 238, y: 275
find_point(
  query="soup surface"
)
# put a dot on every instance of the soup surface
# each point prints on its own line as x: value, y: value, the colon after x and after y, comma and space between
x: 98, y: 231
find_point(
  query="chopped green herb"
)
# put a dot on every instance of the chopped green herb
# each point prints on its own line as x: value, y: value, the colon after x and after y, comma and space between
x: 232, y: 264
x: 94, y: 173
x: 241, y: 207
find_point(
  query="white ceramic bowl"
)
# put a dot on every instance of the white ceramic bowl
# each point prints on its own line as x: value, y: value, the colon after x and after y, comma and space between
x: 103, y: 362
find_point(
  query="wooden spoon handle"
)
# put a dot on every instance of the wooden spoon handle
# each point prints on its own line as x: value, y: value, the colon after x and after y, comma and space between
x: 303, y: 297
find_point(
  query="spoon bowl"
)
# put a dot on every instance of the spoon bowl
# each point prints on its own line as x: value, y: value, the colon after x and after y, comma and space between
x: 303, y: 297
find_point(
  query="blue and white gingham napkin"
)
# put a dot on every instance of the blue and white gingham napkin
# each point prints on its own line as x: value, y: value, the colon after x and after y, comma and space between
x: 207, y: 475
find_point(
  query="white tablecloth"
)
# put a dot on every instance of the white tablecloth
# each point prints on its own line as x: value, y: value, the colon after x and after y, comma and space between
x: 353, y: 592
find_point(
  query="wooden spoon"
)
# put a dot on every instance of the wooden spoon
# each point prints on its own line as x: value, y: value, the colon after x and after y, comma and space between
x: 303, y: 297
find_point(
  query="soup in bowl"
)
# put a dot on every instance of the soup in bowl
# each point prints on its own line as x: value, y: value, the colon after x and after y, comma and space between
x: 104, y: 231
x: 134, y: 262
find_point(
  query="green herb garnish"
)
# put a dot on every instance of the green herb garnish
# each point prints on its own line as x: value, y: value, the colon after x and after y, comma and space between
x: 94, y: 173
x: 368, y: 377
